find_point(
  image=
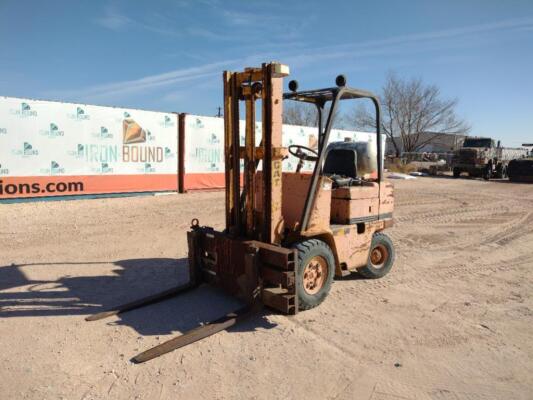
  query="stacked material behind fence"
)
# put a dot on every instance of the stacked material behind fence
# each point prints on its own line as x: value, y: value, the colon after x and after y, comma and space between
x: 55, y: 149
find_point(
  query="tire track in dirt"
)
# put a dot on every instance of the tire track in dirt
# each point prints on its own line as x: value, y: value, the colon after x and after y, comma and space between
x: 448, y: 269
x: 451, y: 215
x: 495, y: 232
x: 515, y: 230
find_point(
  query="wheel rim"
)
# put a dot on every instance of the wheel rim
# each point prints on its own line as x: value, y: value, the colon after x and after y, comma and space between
x: 379, y: 256
x: 315, y: 274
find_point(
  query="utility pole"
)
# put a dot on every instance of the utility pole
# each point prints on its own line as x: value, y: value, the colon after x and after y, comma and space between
x: 219, y: 113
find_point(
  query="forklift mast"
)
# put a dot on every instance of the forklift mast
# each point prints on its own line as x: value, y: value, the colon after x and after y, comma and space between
x: 265, y: 84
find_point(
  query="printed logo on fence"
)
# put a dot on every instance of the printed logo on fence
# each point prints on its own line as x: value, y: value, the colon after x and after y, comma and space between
x: 147, y: 168
x: 26, y: 151
x: 24, y: 111
x: 80, y: 151
x: 3, y: 131
x: 167, y: 122
x: 53, y: 131
x: 104, y: 168
x: 101, y: 153
x: 134, y: 134
x: 198, y: 123
x: 55, y: 169
x: 79, y: 115
x: 213, y: 139
x: 214, y: 167
x: 207, y: 155
x: 4, y: 170
x: 169, y: 153
x: 103, y: 133
x: 120, y: 118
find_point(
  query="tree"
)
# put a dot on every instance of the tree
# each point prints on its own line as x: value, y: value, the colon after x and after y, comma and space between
x: 411, y: 110
x: 306, y: 114
x: 298, y: 113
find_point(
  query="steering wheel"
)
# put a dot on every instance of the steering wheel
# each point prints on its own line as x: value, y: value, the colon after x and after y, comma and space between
x: 296, y: 151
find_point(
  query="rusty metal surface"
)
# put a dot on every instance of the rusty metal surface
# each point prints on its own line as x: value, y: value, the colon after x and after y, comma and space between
x: 242, y: 215
x: 181, y: 153
x: 386, y: 198
x: 196, y: 334
x: 295, y: 189
x: 249, y: 162
x: 141, y: 302
x: 272, y: 102
x: 228, y: 129
x: 314, y: 275
x: 246, y: 268
x: 353, y: 245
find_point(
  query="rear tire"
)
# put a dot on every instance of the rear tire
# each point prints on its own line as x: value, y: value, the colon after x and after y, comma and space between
x: 456, y: 172
x: 380, y: 257
x: 316, y: 269
x: 505, y: 173
x: 487, y: 172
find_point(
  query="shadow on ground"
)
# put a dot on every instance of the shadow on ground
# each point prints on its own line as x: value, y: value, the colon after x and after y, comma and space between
x: 132, y: 279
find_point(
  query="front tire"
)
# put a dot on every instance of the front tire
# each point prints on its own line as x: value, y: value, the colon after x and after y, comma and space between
x: 316, y: 269
x: 380, y: 257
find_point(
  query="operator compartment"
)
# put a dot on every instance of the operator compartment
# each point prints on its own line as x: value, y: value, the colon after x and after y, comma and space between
x: 353, y: 199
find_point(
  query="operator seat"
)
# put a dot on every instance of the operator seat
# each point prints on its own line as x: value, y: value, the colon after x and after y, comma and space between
x: 341, y: 166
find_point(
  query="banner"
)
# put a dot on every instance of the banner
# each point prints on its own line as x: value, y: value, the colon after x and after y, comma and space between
x: 204, y: 148
x: 51, y: 148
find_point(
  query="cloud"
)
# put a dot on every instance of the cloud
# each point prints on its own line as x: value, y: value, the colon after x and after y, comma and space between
x: 161, y: 24
x: 300, y: 57
x: 146, y: 83
x: 116, y: 21
x: 417, y: 42
x: 173, y: 96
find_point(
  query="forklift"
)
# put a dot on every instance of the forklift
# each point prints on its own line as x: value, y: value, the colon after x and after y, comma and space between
x: 288, y: 234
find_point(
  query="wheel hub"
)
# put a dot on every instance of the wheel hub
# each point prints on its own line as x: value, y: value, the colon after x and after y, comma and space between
x: 314, y: 275
x: 378, y: 256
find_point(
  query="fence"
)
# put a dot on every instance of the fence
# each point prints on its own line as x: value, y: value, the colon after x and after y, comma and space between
x: 52, y: 148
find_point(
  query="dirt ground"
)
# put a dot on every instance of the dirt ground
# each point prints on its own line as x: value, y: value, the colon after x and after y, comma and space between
x: 453, y: 319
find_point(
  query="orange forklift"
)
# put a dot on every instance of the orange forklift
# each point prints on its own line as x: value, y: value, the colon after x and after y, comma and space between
x: 288, y: 234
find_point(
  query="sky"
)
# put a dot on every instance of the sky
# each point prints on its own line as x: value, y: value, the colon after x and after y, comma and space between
x: 169, y: 55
